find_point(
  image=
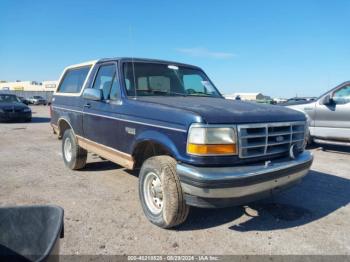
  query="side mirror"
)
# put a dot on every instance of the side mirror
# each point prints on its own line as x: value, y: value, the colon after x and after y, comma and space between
x: 93, y: 94
x: 328, y: 100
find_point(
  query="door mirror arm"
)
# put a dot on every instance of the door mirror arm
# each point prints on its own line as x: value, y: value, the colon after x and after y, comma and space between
x: 328, y: 100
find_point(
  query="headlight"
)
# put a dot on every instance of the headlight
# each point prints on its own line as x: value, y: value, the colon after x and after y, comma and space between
x: 209, y: 140
x: 2, y: 110
x: 26, y: 110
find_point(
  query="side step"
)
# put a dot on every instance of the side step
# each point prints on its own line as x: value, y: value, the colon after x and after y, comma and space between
x: 331, y: 142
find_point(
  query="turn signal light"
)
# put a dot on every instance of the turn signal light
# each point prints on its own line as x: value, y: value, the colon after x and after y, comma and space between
x: 226, y: 149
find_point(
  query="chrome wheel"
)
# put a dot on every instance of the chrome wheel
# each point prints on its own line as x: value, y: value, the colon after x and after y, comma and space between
x: 68, y: 149
x: 153, y: 192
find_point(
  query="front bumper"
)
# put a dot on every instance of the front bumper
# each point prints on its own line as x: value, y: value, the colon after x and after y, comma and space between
x: 227, y: 186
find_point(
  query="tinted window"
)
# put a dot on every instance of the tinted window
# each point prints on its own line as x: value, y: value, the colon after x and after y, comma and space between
x: 342, y: 96
x: 155, y: 79
x: 157, y: 83
x: 73, y: 80
x: 193, y: 84
x: 115, y: 89
x: 160, y: 83
x: 8, y: 99
x: 104, y: 79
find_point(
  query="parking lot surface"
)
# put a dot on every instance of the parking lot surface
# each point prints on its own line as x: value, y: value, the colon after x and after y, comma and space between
x: 103, y: 214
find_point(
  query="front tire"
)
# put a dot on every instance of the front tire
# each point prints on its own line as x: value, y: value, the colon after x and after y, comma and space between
x: 160, y: 192
x: 74, y: 156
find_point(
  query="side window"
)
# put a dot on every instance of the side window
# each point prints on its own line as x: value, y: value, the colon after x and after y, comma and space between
x: 342, y: 95
x: 104, y: 79
x: 73, y: 80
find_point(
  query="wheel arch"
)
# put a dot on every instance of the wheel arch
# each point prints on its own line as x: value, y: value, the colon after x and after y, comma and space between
x: 63, y: 124
x: 152, y: 143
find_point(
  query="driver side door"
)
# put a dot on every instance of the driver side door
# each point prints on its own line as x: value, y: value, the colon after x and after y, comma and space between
x: 332, y: 121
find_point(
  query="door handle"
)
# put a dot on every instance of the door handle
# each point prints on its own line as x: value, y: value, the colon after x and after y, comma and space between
x: 87, y: 105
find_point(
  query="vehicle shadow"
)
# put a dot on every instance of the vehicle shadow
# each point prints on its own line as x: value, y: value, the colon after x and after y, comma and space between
x: 35, y: 120
x: 103, y: 165
x: 336, y: 149
x: 331, y: 148
x: 317, y: 196
x: 40, y: 120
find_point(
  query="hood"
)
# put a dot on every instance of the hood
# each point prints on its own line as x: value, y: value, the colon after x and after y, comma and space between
x: 16, y: 105
x: 224, y: 111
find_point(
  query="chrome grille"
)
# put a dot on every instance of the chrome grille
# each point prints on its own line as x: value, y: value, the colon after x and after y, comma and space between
x: 269, y: 138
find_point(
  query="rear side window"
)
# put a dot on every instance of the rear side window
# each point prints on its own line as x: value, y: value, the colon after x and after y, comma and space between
x: 73, y: 80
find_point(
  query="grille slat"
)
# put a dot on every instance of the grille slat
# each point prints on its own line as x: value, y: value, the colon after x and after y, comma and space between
x: 271, y: 138
x: 279, y: 134
x: 252, y: 146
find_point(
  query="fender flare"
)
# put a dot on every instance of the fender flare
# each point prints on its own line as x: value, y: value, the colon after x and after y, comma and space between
x: 156, y: 137
x: 65, y: 119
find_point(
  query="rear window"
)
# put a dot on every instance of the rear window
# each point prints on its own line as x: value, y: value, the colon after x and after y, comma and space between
x: 73, y: 80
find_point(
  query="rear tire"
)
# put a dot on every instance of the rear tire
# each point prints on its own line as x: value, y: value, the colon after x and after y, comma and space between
x: 74, y: 156
x: 160, y: 192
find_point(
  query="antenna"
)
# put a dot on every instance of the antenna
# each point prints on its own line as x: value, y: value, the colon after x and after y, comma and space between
x: 132, y: 59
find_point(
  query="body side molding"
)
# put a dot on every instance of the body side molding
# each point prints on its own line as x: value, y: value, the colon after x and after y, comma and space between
x: 109, y: 153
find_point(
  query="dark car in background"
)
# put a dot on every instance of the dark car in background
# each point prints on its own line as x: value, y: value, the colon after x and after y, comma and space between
x: 12, y: 109
x: 37, y: 100
x: 298, y: 101
x: 23, y: 100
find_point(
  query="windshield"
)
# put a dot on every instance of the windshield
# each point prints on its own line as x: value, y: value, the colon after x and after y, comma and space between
x: 150, y: 79
x: 38, y: 97
x: 8, y: 99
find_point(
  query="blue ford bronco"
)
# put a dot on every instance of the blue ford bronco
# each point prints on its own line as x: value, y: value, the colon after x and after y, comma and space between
x: 190, y: 146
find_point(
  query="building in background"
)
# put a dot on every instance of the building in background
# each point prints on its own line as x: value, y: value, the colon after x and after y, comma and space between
x: 50, y: 85
x: 27, y: 89
x: 45, y: 86
x: 248, y: 96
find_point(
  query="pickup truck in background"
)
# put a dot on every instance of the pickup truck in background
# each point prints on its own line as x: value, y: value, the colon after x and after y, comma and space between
x: 191, y: 146
x: 329, y: 116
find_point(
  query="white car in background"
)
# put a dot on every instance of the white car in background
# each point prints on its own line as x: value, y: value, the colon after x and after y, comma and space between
x: 329, y: 116
x: 37, y: 100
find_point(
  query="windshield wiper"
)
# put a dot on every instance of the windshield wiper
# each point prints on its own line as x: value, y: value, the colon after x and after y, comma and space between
x: 168, y: 93
x: 196, y: 93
